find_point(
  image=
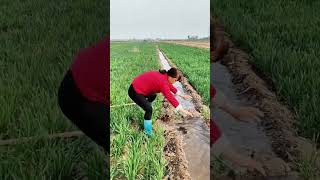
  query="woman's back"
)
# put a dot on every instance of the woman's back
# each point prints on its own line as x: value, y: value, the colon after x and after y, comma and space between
x: 90, y: 71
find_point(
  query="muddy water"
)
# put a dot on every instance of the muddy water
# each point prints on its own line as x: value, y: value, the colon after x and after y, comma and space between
x: 195, y: 136
x: 247, y: 137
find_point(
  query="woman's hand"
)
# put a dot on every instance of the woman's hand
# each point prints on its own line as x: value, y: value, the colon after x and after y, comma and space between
x: 247, y: 114
x: 195, y: 113
x: 187, y: 113
x: 241, y: 113
x: 254, y: 165
x: 186, y: 97
x: 242, y: 161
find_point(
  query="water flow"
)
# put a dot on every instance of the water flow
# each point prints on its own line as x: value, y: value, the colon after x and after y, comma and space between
x: 195, y: 135
x: 246, y: 137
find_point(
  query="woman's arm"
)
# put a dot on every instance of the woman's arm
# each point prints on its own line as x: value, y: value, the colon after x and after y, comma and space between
x: 165, y: 90
x: 239, y: 112
x: 184, y: 96
x: 223, y: 147
x: 179, y: 93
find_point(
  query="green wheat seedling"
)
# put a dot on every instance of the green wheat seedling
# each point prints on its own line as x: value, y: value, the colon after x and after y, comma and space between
x: 309, y: 167
x: 194, y: 64
x: 133, y: 155
x: 39, y: 40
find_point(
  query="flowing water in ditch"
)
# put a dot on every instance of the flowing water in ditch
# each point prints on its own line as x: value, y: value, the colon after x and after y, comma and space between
x: 245, y: 137
x: 195, y: 135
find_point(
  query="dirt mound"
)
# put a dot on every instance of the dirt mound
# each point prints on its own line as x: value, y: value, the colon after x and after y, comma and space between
x: 167, y: 113
x: 177, y: 167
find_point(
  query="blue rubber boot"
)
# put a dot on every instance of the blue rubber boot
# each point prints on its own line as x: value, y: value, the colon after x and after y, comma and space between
x: 148, y: 127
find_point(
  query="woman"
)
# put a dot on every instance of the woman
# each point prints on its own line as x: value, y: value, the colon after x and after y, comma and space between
x: 145, y: 86
x: 84, y: 94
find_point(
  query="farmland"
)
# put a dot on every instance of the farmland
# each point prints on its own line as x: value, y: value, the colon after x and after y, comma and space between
x: 133, y: 154
x: 194, y: 63
x: 38, y: 42
x: 283, y: 38
x: 193, y: 43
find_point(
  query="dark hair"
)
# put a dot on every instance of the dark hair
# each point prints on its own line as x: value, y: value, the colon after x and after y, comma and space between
x: 172, y: 72
x: 162, y: 71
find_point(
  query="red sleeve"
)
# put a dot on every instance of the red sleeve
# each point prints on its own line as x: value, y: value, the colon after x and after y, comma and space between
x: 212, y: 91
x: 215, y: 132
x: 173, y: 89
x: 165, y: 90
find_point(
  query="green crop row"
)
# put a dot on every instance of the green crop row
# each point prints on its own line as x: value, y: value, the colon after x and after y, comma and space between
x: 194, y: 64
x: 38, y: 41
x: 133, y: 154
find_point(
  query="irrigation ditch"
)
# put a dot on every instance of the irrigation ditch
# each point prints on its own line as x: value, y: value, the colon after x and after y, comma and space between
x: 274, y: 142
x: 187, y: 149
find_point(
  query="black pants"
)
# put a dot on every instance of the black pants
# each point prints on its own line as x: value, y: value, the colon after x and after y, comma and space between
x: 143, y: 101
x: 90, y: 117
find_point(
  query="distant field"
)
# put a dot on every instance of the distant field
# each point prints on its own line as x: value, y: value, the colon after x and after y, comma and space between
x: 38, y: 42
x: 283, y: 38
x: 195, y: 43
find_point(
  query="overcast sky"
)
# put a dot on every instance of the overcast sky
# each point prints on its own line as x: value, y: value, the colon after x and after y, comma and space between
x: 172, y: 19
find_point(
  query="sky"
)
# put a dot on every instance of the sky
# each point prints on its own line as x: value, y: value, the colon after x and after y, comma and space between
x: 165, y: 19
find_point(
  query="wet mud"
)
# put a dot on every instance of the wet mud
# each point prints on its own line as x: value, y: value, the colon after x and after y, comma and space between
x: 177, y: 167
